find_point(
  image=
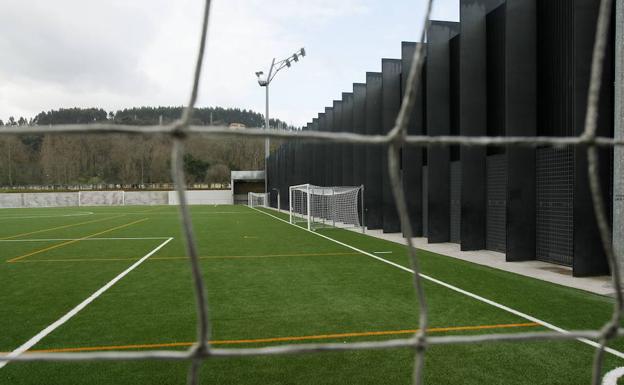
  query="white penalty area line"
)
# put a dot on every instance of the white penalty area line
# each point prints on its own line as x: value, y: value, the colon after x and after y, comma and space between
x: 548, y: 325
x: 82, y: 239
x: 42, y: 334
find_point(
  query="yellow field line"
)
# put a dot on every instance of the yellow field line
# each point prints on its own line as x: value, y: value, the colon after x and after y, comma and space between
x: 74, y: 241
x: 74, y: 260
x: 62, y: 227
x: 186, y: 258
x: 288, y: 339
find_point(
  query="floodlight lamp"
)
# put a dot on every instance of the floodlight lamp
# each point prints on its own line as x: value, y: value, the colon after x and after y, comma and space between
x: 302, y: 52
x: 295, y: 57
x: 259, y: 73
x: 287, y: 62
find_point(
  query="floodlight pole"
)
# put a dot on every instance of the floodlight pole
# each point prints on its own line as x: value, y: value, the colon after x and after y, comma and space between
x: 267, y: 141
x: 273, y: 70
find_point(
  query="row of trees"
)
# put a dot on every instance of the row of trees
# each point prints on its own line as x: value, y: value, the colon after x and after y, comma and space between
x: 125, y: 159
x: 144, y: 116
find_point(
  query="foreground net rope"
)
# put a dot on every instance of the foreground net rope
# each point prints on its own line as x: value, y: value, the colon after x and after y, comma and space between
x: 394, y: 140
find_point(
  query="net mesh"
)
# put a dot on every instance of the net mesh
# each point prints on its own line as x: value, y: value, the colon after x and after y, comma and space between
x: 320, y: 207
x: 394, y: 140
x: 257, y: 199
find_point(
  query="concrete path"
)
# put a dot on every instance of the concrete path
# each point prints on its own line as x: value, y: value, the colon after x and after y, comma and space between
x: 549, y: 272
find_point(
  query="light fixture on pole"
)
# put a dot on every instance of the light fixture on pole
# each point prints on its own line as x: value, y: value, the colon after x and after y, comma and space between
x: 265, y: 82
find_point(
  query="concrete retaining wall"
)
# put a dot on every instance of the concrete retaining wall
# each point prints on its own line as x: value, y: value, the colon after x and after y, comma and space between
x: 141, y: 198
x: 113, y: 198
x: 49, y: 199
x: 101, y: 198
x: 11, y: 200
x: 204, y: 197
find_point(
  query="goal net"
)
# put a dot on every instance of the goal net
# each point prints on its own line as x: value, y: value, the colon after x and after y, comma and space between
x: 318, y: 207
x: 257, y: 199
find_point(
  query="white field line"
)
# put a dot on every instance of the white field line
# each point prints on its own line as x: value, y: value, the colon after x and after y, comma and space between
x: 382, y: 252
x: 35, y: 216
x: 42, y: 334
x: 81, y: 239
x: 612, y: 377
x: 548, y: 325
x: 172, y: 212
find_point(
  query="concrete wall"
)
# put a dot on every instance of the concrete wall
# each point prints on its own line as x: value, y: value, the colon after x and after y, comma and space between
x: 101, y: 198
x: 204, y: 197
x: 11, y: 200
x: 49, y: 199
x: 112, y: 198
x: 140, y: 198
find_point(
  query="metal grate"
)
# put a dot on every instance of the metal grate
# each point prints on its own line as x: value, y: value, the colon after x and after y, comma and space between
x: 455, y: 205
x: 555, y: 205
x: 420, y: 342
x: 496, y: 214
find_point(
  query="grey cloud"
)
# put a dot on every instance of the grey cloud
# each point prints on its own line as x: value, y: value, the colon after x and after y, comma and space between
x: 83, y: 45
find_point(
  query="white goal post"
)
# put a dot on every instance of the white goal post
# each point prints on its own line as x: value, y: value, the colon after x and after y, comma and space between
x: 257, y: 199
x: 319, y: 207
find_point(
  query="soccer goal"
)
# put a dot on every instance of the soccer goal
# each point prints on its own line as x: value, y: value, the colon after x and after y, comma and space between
x: 319, y: 207
x: 258, y: 199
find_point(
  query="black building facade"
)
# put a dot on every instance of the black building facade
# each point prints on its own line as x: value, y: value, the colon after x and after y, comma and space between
x: 508, y: 68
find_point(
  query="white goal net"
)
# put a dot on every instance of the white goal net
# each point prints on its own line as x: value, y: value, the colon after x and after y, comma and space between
x: 257, y: 199
x: 317, y: 207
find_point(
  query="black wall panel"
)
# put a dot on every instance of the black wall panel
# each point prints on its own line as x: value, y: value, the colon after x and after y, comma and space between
x: 347, y: 149
x: 373, y: 196
x: 330, y: 153
x: 473, y: 118
x: 425, y: 201
x: 338, y: 148
x: 283, y: 171
x: 316, y: 159
x: 278, y: 169
x: 290, y: 163
x: 438, y: 99
x: 496, y: 169
x: 412, y: 161
x: 321, y: 165
x: 555, y: 205
x: 308, y: 154
x: 455, y: 203
x: 359, y: 127
x: 566, y: 31
x: 270, y: 174
x: 496, y: 215
x: 293, y: 166
x: 390, y: 104
x: 496, y: 64
x: 589, y: 256
x: 520, y: 82
x: 455, y: 183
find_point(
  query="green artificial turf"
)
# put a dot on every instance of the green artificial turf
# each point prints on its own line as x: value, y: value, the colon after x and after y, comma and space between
x: 265, y: 279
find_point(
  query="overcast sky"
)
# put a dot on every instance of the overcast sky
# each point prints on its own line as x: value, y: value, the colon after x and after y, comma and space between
x: 123, y: 53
